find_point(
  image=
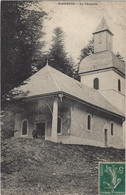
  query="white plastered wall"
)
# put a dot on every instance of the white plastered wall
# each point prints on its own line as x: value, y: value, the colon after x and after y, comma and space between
x: 108, y: 86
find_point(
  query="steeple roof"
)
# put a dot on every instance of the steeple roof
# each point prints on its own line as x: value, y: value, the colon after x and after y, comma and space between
x: 102, y: 27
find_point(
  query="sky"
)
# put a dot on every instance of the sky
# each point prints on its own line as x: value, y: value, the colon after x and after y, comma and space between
x: 79, y: 21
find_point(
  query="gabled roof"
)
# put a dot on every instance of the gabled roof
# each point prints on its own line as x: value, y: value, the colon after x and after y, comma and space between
x: 102, y: 27
x: 49, y: 80
x: 101, y: 60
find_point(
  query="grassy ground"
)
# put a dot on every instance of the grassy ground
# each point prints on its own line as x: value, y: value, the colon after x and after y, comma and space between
x: 42, y: 167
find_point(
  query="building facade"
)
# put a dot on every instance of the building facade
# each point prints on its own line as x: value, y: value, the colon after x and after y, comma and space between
x: 73, y: 112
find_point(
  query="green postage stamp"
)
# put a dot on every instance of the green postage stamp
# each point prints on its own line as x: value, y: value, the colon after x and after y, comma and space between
x: 111, y: 178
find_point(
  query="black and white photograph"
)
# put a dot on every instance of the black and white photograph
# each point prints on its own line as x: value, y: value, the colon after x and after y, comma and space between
x: 63, y: 97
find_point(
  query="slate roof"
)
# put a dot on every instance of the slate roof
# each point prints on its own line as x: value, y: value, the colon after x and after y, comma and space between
x: 101, y: 60
x: 102, y: 27
x: 49, y: 80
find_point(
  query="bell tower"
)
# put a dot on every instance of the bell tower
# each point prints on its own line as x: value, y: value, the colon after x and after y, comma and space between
x: 103, y: 38
x: 102, y: 70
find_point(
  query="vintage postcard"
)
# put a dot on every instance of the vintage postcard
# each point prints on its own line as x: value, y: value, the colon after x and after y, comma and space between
x: 63, y: 97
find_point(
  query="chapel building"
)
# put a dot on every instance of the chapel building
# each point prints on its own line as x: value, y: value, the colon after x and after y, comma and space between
x: 90, y: 112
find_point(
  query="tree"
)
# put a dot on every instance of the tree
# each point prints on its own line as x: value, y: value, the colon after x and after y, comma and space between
x: 57, y: 55
x: 8, y: 117
x: 119, y: 56
x: 21, y: 30
x: 75, y: 69
x: 87, y: 50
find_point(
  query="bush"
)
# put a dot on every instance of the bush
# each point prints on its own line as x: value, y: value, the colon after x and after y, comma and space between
x: 7, y: 124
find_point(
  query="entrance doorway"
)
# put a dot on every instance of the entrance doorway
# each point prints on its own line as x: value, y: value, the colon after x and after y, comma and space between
x: 41, y: 129
x: 106, y: 137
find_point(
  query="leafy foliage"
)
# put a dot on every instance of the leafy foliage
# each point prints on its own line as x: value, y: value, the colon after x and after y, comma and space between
x: 8, y: 117
x: 21, y: 46
x: 87, y: 50
x: 119, y: 56
x: 7, y: 126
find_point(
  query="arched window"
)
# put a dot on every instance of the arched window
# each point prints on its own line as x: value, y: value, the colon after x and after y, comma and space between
x: 89, y: 122
x: 96, y: 83
x: 59, y: 125
x: 24, y: 127
x: 112, y: 125
x: 119, y: 85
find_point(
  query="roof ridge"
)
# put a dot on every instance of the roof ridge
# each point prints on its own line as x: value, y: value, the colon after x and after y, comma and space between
x: 110, y: 103
x: 52, y: 76
x: 77, y: 82
x: 85, y: 86
x: 56, y: 81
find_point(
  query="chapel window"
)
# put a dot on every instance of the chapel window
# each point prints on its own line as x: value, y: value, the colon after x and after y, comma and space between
x: 24, y: 127
x: 96, y: 83
x: 119, y: 85
x: 89, y: 122
x: 112, y: 125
